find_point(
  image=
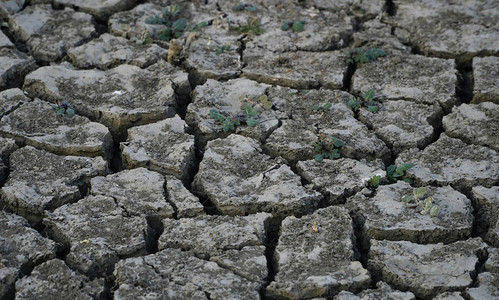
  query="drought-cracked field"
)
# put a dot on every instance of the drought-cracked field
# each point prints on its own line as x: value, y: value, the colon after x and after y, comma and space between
x: 269, y: 149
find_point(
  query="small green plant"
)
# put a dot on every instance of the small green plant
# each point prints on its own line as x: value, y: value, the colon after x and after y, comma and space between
x: 229, y: 122
x: 327, y: 148
x: 373, y: 182
x: 367, y: 101
x: 64, y: 108
x: 168, y: 16
x: 322, y: 108
x: 423, y: 205
x: 221, y: 48
x: 244, y: 6
x: 298, y: 26
x: 395, y: 173
x: 252, y: 26
x: 198, y: 26
x: 262, y: 101
x: 174, y: 26
x: 361, y: 55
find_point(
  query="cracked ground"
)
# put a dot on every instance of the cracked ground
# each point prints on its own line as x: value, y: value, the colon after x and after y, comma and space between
x: 241, y: 159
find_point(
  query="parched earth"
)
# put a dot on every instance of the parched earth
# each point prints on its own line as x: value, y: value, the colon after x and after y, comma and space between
x: 202, y: 167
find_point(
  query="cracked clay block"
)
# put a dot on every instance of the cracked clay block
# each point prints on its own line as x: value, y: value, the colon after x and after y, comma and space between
x: 49, y: 33
x: 415, y: 78
x: 315, y: 257
x: 14, y: 65
x: 474, y: 123
x: 302, y: 126
x: 457, y: 29
x: 41, y: 181
x: 239, y: 179
x: 139, y: 192
x: 386, y: 217
x: 235, y: 243
x: 425, y: 270
x: 180, y: 275
x: 37, y: 124
x: 485, y: 79
x: 164, y: 147
x: 55, y: 280
x: 349, y: 176
x: 21, y: 249
x: 108, y: 51
x: 119, y: 98
x: 451, y: 161
x: 98, y: 231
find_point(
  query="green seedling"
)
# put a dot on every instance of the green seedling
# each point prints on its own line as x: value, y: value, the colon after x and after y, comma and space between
x: 174, y: 31
x: 248, y: 114
x: 244, y: 6
x: 361, y: 55
x: 373, y: 182
x: 174, y: 26
x: 395, y: 173
x: 298, y: 26
x: 367, y: 100
x: 322, y: 108
x: 64, y: 108
x: 168, y: 16
x: 229, y: 122
x: 252, y: 26
x: 420, y: 203
x: 220, y: 49
x: 327, y: 148
x: 198, y: 26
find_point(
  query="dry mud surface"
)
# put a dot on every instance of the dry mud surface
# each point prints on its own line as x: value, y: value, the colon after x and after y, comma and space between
x: 144, y: 193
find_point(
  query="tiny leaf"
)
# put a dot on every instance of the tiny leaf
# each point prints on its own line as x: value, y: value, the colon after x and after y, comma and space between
x: 407, y: 199
x: 435, y: 211
x: 419, y: 192
x: 368, y: 95
x: 406, y: 166
x: 251, y: 122
x: 267, y: 105
x: 390, y: 169
x: 70, y: 112
x: 318, y: 157
x: 237, y: 7
x: 298, y: 27
x: 180, y: 24
x: 408, y: 180
x: 337, y: 142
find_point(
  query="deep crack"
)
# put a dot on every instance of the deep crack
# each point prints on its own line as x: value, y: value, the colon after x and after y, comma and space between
x: 271, y: 241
